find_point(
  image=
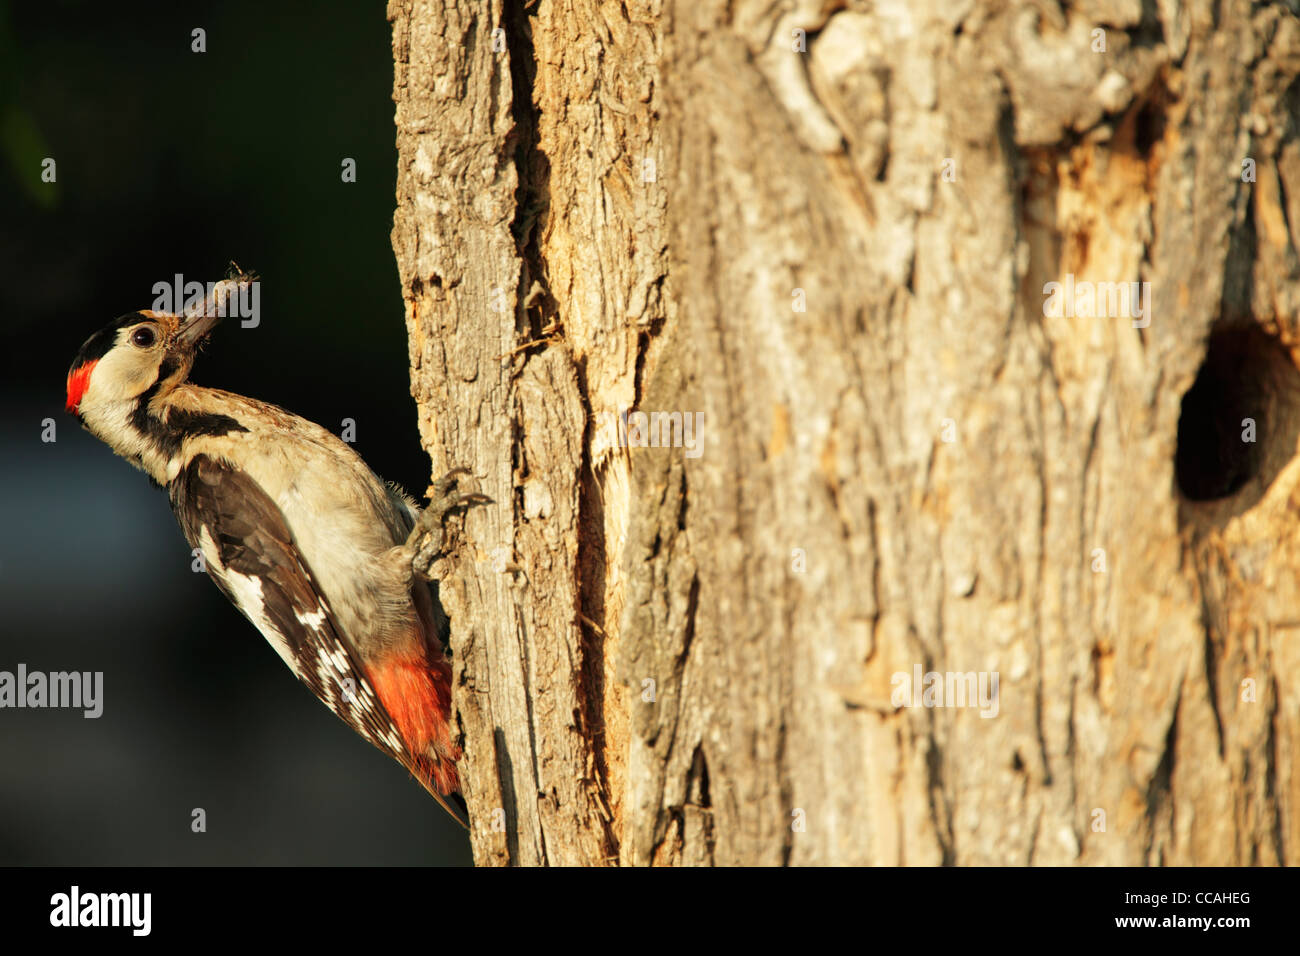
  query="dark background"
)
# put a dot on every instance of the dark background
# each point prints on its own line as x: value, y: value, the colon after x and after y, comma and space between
x: 170, y: 161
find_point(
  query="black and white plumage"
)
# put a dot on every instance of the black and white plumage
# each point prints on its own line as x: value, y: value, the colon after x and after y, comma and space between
x: 250, y: 553
x: 317, y: 552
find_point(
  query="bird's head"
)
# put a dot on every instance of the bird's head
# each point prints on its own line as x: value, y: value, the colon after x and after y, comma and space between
x: 136, y: 353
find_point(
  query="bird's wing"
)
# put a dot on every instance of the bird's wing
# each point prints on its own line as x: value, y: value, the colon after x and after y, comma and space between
x: 251, y: 554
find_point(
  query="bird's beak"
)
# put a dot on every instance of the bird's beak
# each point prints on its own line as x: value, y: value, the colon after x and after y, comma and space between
x: 203, y: 318
x: 195, y: 327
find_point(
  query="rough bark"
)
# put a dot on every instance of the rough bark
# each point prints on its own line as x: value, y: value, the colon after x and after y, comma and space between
x: 827, y: 228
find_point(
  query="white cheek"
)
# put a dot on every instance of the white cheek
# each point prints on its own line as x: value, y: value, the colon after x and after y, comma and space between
x: 119, y: 376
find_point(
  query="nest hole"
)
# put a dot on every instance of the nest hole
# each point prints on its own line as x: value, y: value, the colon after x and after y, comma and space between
x: 1239, y: 419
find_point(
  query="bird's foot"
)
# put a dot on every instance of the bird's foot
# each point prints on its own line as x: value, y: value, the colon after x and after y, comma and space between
x: 426, y: 539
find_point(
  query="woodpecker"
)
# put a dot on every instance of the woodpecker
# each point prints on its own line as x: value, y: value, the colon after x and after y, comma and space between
x: 326, y: 560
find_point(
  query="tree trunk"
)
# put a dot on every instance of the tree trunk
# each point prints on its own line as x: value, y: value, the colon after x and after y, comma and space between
x: 826, y: 233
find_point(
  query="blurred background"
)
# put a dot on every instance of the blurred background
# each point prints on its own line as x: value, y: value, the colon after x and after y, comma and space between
x: 170, y: 161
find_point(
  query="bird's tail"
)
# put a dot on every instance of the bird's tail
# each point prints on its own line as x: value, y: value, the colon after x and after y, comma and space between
x: 416, y: 692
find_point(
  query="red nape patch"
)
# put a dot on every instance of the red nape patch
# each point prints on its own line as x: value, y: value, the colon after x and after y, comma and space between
x: 417, y: 695
x: 78, y: 382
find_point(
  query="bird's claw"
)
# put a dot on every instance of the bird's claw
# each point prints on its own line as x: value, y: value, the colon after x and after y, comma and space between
x: 444, y: 499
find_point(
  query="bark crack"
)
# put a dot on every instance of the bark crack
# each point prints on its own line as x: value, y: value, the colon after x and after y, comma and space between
x: 590, y: 571
x: 536, y: 322
x: 1159, y: 796
x: 1270, y: 772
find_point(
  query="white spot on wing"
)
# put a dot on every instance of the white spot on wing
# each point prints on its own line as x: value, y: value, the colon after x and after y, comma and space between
x: 246, y: 591
x: 313, y: 620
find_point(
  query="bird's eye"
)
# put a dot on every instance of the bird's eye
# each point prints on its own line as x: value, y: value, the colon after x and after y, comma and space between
x: 144, y: 337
